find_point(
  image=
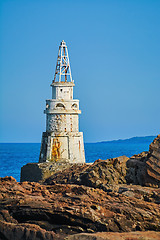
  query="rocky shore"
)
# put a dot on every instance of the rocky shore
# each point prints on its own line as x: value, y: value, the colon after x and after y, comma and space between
x: 113, y: 199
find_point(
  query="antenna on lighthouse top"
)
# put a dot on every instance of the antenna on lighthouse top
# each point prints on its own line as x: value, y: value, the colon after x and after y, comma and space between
x: 63, y: 70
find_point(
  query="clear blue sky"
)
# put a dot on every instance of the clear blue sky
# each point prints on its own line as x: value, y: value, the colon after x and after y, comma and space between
x: 114, y: 49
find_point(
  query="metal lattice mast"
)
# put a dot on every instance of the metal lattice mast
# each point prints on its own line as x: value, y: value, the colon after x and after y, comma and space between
x: 63, y: 70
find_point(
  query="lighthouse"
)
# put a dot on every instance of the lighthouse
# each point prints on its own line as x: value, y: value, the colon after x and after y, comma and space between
x: 62, y: 141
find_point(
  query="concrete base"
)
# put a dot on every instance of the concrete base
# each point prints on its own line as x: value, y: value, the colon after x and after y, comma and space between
x: 64, y: 145
x: 35, y: 172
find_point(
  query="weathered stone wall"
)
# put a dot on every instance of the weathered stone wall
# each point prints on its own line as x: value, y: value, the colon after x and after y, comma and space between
x: 76, y: 148
x: 67, y: 146
x: 62, y: 139
x: 62, y: 123
x: 62, y: 90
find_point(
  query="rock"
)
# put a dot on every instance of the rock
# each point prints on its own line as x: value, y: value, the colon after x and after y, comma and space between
x: 24, y: 231
x: 105, y: 196
x: 110, y: 171
x: 136, y: 169
x: 153, y: 163
x: 144, y: 168
x: 35, y: 172
x: 149, y: 235
x: 38, y: 211
x: 101, y: 172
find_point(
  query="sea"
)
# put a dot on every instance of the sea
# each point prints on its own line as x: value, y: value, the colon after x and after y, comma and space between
x: 14, y: 155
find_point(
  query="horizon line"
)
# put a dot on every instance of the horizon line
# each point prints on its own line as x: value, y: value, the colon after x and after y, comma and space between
x: 120, y: 139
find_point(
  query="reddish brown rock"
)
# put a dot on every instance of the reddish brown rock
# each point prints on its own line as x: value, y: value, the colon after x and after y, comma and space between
x: 98, y: 174
x: 136, y: 169
x: 144, y: 168
x: 148, y: 235
x: 9, y: 231
x: 36, y: 211
x: 153, y: 163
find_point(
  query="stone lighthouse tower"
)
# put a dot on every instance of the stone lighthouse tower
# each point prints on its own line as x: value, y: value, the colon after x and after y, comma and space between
x: 62, y: 140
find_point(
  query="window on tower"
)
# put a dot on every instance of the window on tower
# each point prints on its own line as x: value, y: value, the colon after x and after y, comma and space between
x: 74, y: 105
x: 60, y: 105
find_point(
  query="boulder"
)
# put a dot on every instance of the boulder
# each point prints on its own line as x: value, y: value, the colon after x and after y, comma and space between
x: 136, y: 169
x: 101, y: 172
x: 144, y: 168
x: 153, y: 163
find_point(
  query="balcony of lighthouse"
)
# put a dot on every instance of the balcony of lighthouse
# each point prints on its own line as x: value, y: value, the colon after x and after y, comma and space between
x: 62, y: 107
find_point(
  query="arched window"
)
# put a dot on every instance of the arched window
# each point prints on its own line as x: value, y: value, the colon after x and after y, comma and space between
x: 74, y: 105
x: 60, y: 105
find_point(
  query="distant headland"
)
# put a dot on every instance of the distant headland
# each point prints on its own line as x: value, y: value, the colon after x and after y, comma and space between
x: 132, y: 139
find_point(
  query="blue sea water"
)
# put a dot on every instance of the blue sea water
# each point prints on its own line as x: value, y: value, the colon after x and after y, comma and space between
x: 14, y: 155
